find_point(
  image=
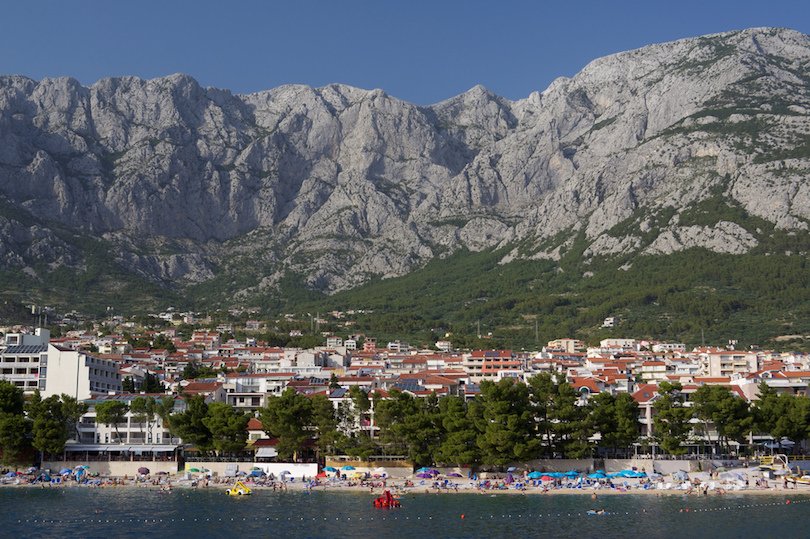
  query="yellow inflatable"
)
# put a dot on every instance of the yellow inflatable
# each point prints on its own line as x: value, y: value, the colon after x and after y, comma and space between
x: 239, y: 489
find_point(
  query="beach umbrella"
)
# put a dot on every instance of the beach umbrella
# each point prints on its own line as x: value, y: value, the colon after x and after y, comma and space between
x: 330, y: 469
x: 546, y: 478
x: 680, y: 475
x: 454, y: 474
x: 256, y: 473
x: 535, y: 475
x: 30, y: 470
x: 11, y: 474
x: 286, y: 472
x: 143, y: 470
x: 241, y: 472
x: 424, y: 475
x: 348, y: 468
x: 65, y: 471
x: 423, y: 470
x: 255, y: 468
x: 321, y: 475
x: 511, y: 469
x: 597, y: 475
x: 572, y: 473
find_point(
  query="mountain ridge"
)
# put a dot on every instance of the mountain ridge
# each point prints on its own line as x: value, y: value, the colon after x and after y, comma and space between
x: 187, y: 185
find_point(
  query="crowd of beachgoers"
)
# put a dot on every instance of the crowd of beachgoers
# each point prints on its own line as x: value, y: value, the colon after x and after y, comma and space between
x: 431, y: 481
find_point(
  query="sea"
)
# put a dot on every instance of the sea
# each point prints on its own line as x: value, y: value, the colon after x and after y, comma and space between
x: 113, y: 513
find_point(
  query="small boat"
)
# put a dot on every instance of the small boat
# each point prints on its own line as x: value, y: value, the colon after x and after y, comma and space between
x: 597, y: 512
x: 387, y: 501
x: 239, y: 489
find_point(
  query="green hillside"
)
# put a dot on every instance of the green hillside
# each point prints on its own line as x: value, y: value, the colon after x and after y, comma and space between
x: 687, y: 297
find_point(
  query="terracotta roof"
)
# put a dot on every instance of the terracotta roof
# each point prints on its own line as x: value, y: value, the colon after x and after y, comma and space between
x: 202, y: 387
x: 645, y: 393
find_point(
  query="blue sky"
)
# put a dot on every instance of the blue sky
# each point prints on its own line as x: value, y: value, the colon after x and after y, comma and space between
x: 420, y: 51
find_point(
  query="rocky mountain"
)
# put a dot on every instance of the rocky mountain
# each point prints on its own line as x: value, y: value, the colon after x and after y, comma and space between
x: 703, y: 142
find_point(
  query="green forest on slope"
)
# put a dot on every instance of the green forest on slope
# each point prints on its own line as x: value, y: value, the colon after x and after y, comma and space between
x: 689, y: 297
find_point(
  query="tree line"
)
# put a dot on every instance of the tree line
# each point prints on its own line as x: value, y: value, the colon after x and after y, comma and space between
x: 509, y: 421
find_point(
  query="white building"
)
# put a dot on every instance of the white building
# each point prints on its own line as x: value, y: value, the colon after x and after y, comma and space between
x: 132, y: 430
x: 21, y: 357
x: 444, y: 346
x: 77, y: 374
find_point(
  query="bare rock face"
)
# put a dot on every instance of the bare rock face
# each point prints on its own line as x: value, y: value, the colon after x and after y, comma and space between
x: 342, y: 184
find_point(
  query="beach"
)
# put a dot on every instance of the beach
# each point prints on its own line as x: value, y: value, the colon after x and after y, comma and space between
x: 698, y: 484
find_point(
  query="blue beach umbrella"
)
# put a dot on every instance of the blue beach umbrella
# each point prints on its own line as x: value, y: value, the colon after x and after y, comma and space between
x: 330, y: 469
x: 65, y: 471
x: 348, y: 468
x: 535, y: 475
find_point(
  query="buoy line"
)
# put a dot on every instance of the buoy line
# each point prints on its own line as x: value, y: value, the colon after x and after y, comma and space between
x: 463, y: 516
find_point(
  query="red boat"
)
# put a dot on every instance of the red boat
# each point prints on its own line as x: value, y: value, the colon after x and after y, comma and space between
x: 386, y: 501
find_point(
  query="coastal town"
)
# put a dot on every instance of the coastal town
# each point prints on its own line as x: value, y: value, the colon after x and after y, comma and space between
x: 121, y: 373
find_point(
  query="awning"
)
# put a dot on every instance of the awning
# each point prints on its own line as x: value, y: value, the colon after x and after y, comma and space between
x: 162, y: 448
x: 266, y: 452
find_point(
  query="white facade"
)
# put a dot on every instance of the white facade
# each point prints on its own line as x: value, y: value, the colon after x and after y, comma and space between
x: 130, y: 431
x: 21, y: 358
x: 78, y: 375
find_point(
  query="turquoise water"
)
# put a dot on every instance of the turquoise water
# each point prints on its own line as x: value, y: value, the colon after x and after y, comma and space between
x: 79, y: 512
